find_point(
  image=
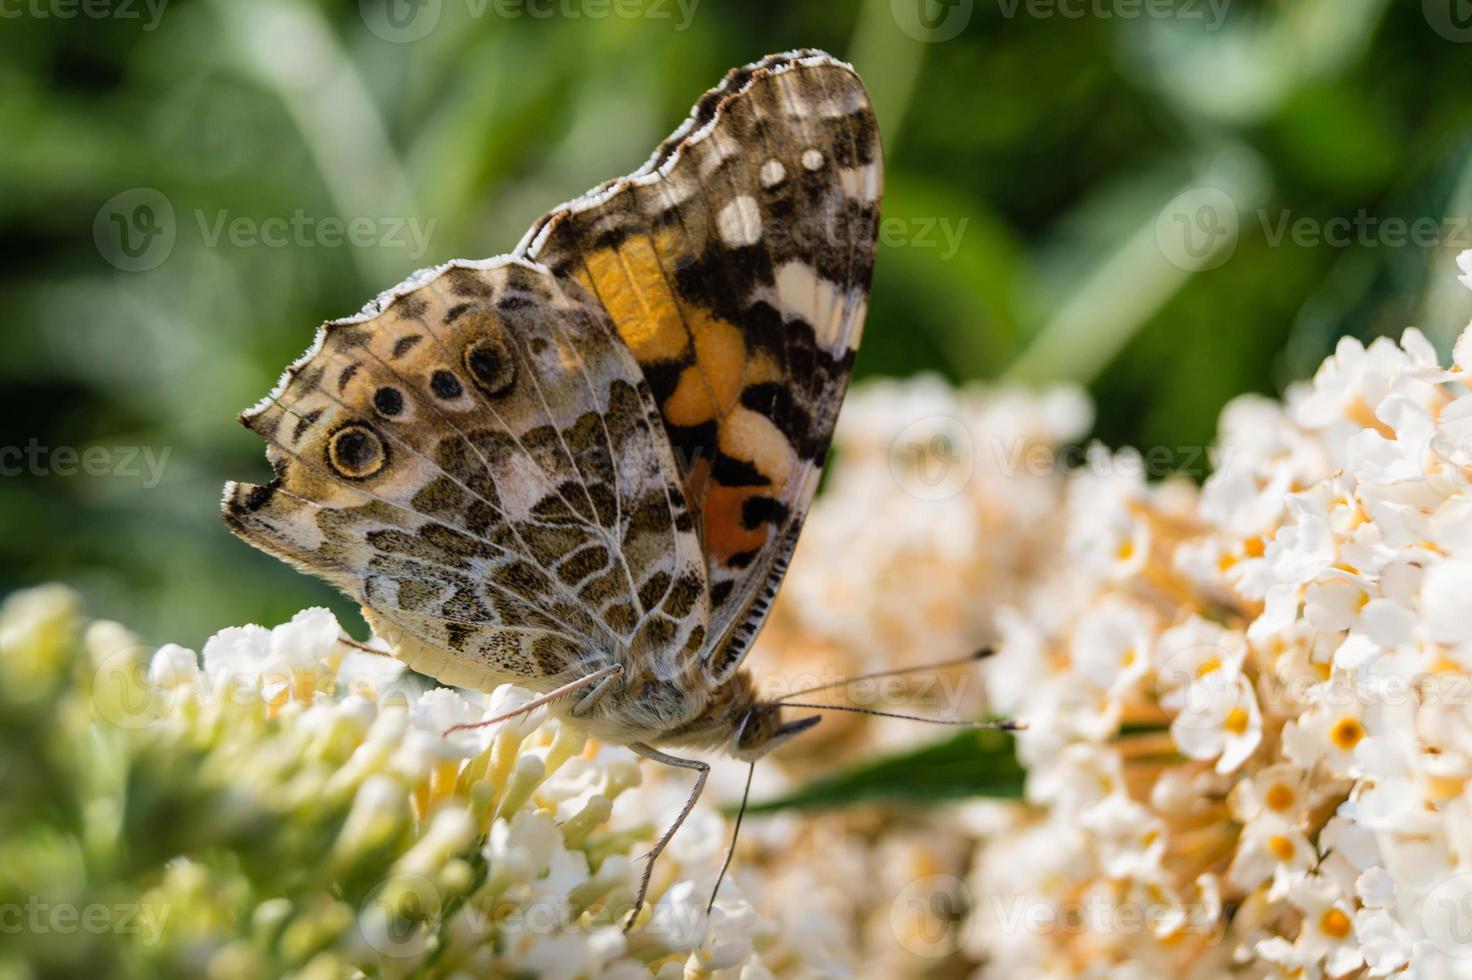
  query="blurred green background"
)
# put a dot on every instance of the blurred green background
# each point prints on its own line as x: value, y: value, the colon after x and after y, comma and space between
x: 1170, y: 202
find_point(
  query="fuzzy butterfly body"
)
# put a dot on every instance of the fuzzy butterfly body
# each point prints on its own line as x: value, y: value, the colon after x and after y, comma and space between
x: 591, y: 458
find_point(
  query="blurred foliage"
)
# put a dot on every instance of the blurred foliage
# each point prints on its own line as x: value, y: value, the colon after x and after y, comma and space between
x: 1048, y: 146
x: 972, y: 763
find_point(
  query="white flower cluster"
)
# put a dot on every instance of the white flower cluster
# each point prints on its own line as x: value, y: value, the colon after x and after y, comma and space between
x: 309, y: 817
x: 1250, y: 709
x: 1249, y: 704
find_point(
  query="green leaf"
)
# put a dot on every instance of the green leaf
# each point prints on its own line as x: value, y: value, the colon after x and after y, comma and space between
x: 973, y: 763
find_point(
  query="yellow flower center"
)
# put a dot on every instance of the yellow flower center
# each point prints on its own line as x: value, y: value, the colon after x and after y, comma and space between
x: 1334, y: 923
x: 1346, y: 733
x: 1279, y: 797
x: 1208, y: 667
x: 1126, y: 550
x: 1236, y: 722
x: 1281, y: 848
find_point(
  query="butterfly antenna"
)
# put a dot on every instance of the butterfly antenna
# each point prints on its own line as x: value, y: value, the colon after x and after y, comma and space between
x: 981, y: 654
x: 735, y: 832
x: 1006, y: 725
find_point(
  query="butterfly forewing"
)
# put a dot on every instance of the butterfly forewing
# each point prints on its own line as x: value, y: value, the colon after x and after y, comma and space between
x: 481, y: 465
x: 735, y: 266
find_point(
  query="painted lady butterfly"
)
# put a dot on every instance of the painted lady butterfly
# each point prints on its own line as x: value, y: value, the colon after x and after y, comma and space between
x: 583, y: 466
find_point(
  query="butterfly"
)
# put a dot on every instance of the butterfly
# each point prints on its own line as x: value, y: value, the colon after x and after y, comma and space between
x: 582, y: 466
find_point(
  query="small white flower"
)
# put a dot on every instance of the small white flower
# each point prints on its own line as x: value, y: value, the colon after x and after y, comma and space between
x: 1446, y: 602
x: 679, y: 919
x: 173, y: 666
x: 1219, y: 721
x: 307, y: 640
x: 235, y: 656
x: 1271, y: 849
x: 1111, y: 645
x: 1326, y: 938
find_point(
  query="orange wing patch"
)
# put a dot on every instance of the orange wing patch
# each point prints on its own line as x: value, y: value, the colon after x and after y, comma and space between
x: 714, y: 367
x: 634, y: 290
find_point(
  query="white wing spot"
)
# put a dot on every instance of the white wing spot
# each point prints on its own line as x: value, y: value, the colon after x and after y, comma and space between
x: 740, y: 222
x: 772, y: 173
x: 812, y: 159
x: 801, y: 291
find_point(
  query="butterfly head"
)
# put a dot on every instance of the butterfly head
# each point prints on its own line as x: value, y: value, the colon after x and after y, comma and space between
x: 761, y: 729
x: 736, y: 721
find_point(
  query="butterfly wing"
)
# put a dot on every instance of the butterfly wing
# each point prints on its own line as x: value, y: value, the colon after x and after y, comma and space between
x: 478, y: 461
x: 735, y: 264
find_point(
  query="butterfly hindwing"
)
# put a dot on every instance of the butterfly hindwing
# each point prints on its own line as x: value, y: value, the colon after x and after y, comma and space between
x: 735, y: 265
x: 480, y: 463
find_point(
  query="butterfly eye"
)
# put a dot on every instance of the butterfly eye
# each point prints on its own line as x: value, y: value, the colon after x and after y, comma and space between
x: 389, y: 401
x: 445, y: 385
x: 489, y: 362
x: 356, y: 452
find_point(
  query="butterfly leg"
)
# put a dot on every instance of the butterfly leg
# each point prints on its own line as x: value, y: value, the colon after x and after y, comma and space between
x: 702, y: 770
x: 348, y: 641
x: 601, y: 675
x: 587, y: 701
